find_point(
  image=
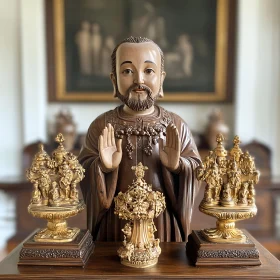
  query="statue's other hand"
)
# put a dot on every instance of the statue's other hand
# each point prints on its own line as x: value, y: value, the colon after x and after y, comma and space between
x: 110, y: 152
x: 170, y: 153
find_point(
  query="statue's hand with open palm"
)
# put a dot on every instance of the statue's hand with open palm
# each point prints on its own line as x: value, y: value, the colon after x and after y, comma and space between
x: 110, y: 152
x: 170, y: 153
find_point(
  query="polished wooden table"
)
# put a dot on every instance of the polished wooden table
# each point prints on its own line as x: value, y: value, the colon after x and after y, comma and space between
x: 173, y: 264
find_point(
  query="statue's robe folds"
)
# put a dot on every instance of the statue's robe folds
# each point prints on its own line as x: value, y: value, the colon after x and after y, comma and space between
x: 140, y: 136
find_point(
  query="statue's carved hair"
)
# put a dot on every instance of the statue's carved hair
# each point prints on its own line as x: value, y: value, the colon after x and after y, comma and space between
x: 136, y: 40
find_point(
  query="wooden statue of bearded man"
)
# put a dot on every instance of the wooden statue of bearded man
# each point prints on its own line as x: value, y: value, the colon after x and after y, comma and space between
x: 139, y: 131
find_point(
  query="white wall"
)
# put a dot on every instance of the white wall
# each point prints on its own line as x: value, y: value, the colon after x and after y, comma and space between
x: 23, y: 78
x: 33, y: 70
x: 258, y: 70
x: 10, y: 89
x: 10, y: 109
x: 267, y: 104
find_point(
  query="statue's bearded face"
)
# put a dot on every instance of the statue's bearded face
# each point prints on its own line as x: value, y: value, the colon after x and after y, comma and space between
x: 139, y: 75
x: 137, y: 97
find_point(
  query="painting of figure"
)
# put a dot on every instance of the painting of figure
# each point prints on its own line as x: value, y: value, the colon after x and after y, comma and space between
x: 186, y: 31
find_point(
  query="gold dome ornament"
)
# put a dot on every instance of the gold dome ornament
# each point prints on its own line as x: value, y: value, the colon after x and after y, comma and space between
x: 139, y: 205
x: 55, y: 198
x: 229, y: 196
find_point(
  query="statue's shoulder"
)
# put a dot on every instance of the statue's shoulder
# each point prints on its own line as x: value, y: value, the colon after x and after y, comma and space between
x: 102, y: 120
x: 180, y: 123
x: 170, y: 116
x: 112, y: 115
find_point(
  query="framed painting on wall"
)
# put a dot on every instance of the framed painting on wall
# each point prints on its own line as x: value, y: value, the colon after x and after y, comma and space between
x: 196, y: 36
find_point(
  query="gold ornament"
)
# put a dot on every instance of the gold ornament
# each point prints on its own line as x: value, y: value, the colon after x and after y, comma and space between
x: 55, y: 195
x: 139, y: 205
x: 229, y: 193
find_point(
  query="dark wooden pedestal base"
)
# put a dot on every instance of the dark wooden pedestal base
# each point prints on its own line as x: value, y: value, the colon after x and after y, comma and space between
x: 75, y: 253
x: 202, y: 252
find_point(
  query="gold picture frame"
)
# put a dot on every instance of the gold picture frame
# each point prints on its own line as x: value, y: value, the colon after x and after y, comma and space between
x: 223, y: 60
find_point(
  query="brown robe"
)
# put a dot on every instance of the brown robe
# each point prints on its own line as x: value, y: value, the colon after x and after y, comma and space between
x: 140, y: 144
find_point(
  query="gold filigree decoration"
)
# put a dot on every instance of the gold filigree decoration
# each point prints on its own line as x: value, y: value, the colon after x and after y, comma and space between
x: 229, y: 193
x: 55, y: 195
x: 139, y: 205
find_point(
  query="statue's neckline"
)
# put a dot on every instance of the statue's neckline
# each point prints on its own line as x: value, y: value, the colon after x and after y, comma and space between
x: 125, y: 116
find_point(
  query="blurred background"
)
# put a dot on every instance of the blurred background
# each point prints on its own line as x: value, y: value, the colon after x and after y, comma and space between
x: 27, y: 116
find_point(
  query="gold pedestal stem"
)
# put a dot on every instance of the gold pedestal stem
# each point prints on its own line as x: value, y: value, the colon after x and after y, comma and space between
x: 57, y: 225
x: 56, y: 231
x: 225, y: 225
x: 141, y: 249
x: 225, y: 232
x: 140, y: 232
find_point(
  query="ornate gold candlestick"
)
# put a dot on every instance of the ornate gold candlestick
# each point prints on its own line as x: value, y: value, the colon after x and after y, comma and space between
x: 139, y: 205
x: 55, y: 198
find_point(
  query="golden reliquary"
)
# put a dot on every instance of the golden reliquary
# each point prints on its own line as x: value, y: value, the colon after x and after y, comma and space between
x: 229, y: 193
x: 55, y: 198
x: 55, y: 195
x: 139, y: 205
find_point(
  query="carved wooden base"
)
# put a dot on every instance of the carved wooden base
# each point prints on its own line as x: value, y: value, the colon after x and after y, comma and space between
x: 74, y: 253
x: 202, y: 252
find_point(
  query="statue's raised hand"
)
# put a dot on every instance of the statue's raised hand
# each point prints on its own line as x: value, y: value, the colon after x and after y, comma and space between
x: 110, y: 152
x: 170, y: 153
